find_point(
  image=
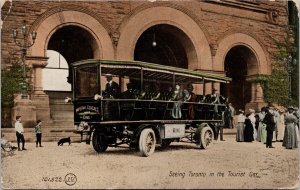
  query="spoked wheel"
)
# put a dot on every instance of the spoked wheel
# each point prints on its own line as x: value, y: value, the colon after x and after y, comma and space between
x: 147, y: 142
x: 206, y: 137
x: 99, y: 143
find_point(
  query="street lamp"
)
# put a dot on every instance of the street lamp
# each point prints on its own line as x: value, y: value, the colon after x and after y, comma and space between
x: 290, y: 62
x: 24, y: 46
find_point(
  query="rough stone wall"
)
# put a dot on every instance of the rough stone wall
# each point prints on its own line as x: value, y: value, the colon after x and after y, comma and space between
x: 217, y: 19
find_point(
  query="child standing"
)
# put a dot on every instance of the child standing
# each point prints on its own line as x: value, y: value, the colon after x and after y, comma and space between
x: 20, y: 133
x: 38, y: 132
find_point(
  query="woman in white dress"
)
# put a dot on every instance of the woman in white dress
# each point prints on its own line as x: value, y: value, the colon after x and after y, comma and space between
x: 240, y: 127
x: 280, y: 126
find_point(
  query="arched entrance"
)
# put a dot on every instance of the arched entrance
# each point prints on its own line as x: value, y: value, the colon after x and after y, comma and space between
x: 190, y: 34
x: 52, y: 23
x: 163, y: 44
x: 256, y: 61
x: 240, y: 62
x: 73, y: 43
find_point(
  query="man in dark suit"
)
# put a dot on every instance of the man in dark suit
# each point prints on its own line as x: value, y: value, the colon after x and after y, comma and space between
x: 111, y: 87
x: 270, y: 123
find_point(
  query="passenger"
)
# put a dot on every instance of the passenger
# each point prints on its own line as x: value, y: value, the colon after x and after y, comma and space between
x: 156, y: 93
x: 215, y: 99
x: 223, y: 99
x: 179, y: 96
x: 169, y: 93
x: 129, y: 93
x: 191, y: 98
x: 127, y: 106
x: 111, y: 88
x: 145, y: 94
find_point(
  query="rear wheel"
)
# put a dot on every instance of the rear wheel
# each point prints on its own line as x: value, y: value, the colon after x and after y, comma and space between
x: 99, y: 143
x: 147, y: 142
x: 206, y: 137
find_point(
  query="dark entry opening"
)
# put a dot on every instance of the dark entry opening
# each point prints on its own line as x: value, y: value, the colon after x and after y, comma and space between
x: 240, y: 61
x: 168, y: 50
x: 74, y: 43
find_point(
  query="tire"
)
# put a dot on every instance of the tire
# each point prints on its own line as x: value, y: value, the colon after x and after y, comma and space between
x: 206, y: 137
x: 166, y: 143
x: 99, y: 143
x: 147, y: 142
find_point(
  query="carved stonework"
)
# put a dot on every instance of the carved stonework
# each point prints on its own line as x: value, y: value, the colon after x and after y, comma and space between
x: 115, y: 37
x: 213, y: 49
x: 37, y: 61
x: 272, y: 16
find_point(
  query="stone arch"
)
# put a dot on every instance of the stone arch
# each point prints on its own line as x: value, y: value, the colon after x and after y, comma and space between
x: 235, y: 39
x: 173, y: 6
x: 136, y: 24
x: 53, y: 22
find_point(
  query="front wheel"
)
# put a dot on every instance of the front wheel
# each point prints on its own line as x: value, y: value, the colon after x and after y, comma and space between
x: 99, y: 142
x: 206, y: 137
x: 147, y: 142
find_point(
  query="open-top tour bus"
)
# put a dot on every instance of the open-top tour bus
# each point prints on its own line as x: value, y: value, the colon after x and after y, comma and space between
x: 140, y: 116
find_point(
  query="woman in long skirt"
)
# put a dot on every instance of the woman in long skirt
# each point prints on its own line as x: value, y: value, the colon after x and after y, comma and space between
x: 248, y: 132
x: 240, y: 127
x: 280, y: 126
x: 290, y: 136
x: 262, y: 126
x: 263, y: 135
x: 260, y: 116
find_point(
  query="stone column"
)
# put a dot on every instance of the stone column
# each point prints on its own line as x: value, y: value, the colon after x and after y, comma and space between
x: 257, y: 97
x: 259, y: 94
x: 253, y: 92
x: 39, y: 98
x: 24, y: 108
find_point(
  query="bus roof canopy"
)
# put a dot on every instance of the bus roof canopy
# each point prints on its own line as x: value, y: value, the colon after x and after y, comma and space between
x: 151, y: 71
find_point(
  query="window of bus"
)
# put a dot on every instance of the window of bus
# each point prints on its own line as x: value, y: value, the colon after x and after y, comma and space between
x: 86, y: 81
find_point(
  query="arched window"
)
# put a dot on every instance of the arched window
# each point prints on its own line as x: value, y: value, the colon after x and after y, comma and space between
x: 56, y: 72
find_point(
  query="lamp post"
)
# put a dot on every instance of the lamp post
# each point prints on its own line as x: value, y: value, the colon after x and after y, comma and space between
x: 24, y: 46
x: 290, y: 62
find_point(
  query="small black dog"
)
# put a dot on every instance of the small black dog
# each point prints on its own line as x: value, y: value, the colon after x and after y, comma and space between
x: 64, y: 140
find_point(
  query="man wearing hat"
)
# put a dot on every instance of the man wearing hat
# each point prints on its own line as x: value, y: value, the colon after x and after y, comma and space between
x: 270, y: 127
x: 215, y: 100
x: 111, y: 87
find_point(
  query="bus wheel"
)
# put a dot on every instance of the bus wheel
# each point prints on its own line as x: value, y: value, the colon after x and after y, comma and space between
x: 99, y: 143
x: 166, y: 143
x: 147, y: 142
x: 206, y: 137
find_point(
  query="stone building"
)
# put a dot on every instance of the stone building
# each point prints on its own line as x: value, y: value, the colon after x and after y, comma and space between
x: 228, y: 37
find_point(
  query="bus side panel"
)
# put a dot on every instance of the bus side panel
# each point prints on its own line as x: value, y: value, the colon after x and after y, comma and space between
x: 88, y: 111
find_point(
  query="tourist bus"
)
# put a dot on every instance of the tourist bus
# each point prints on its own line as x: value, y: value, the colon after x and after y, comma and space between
x: 146, y: 114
